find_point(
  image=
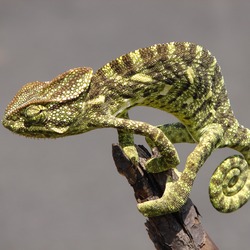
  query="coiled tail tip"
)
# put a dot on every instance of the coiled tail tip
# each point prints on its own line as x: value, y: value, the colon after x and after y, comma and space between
x: 229, y: 187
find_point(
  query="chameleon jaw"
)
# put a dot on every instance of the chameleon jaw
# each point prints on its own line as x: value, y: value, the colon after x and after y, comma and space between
x: 19, y: 127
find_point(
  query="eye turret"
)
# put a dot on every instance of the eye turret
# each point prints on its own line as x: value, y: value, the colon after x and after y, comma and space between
x: 35, y: 113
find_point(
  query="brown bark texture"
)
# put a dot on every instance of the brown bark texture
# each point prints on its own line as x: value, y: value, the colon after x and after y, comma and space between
x: 179, y: 231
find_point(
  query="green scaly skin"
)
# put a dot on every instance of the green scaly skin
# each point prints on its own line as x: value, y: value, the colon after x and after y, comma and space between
x: 180, y: 78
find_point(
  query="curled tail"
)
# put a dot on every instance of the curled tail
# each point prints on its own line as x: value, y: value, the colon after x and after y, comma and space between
x: 229, y: 187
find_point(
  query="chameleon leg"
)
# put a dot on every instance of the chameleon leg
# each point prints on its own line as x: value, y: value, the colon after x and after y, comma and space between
x: 168, y: 155
x: 229, y: 187
x: 126, y: 141
x: 176, y: 193
x: 175, y: 132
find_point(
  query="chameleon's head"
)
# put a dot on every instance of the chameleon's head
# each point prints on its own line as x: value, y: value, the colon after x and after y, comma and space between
x: 48, y: 109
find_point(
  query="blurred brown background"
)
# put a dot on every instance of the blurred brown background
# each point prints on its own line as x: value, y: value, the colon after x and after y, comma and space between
x: 57, y: 195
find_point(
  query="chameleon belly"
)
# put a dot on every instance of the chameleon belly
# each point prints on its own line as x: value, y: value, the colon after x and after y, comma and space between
x: 180, y: 78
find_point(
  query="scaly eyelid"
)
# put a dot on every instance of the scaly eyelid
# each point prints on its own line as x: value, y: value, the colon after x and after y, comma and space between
x: 34, y: 110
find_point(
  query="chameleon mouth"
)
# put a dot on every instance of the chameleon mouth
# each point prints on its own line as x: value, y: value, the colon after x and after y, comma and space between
x: 11, y: 125
x: 18, y: 127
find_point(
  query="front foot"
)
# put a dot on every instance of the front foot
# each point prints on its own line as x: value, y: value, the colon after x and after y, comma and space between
x: 132, y: 154
x: 171, y: 201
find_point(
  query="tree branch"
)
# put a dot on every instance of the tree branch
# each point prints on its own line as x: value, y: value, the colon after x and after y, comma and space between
x: 178, y: 231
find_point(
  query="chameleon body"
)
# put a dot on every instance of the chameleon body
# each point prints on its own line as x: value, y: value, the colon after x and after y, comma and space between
x: 183, y: 79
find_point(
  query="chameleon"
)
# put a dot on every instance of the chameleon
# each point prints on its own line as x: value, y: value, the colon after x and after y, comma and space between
x: 180, y: 78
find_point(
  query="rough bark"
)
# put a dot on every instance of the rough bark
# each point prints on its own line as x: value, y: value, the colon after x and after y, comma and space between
x: 179, y: 231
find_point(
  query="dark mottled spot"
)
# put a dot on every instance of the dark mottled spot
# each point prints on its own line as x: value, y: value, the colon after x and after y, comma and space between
x: 204, y: 120
x: 174, y: 68
x: 116, y: 67
x: 201, y: 108
x: 180, y: 48
x: 246, y: 149
x: 162, y: 50
x: 169, y: 81
x: 174, y: 98
x: 168, y: 66
x: 127, y: 95
x: 195, y: 96
x: 206, y: 59
x: 184, y: 105
x: 128, y: 65
x: 159, y: 97
x: 215, y: 181
x: 146, y: 54
x: 177, y: 93
x: 99, y: 76
x: 190, y: 56
x: 147, y: 93
x: 127, y: 61
x: 217, y: 74
x: 162, y: 78
x: 185, y: 176
x: 192, y: 49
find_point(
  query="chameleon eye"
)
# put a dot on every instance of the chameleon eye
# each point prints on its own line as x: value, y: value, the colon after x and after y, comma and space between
x: 34, y: 113
x: 34, y: 110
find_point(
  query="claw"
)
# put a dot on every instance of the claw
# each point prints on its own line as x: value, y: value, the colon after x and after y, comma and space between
x: 171, y: 201
x: 132, y: 154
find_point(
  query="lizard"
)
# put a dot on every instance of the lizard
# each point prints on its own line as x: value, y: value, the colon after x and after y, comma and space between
x: 181, y: 78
